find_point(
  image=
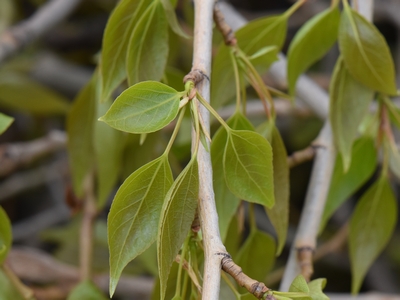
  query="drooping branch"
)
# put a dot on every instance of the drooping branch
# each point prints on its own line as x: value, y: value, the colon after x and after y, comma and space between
x: 207, y: 209
x: 301, y: 156
x: 19, y: 36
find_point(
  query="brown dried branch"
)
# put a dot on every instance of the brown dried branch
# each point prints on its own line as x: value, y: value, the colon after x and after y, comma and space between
x: 14, y: 156
x: 19, y: 36
x: 224, y: 28
x: 301, y: 156
x: 258, y: 289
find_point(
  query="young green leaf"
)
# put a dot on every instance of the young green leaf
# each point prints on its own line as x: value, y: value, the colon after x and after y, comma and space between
x: 248, y: 167
x: 344, y: 184
x: 145, y: 107
x: 365, y: 52
x: 5, y: 122
x: 18, y: 92
x: 108, y: 146
x: 176, y: 217
x: 226, y: 202
x: 349, y: 105
x: 299, y: 284
x: 279, y: 214
x: 371, y: 227
x: 86, y: 290
x: 5, y: 235
x: 80, y: 129
x: 257, y: 255
x: 137, y: 202
x: 115, y: 43
x: 172, y: 19
x: 316, y: 286
x: 311, y: 43
x: 148, y: 47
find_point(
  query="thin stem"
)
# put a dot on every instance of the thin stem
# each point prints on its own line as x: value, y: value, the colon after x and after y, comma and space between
x: 212, y: 111
x: 185, y: 285
x: 24, y: 291
x: 178, y: 282
x: 293, y: 8
x: 196, y: 122
x: 176, y: 130
x: 252, y: 217
x: 237, y: 78
x: 230, y: 284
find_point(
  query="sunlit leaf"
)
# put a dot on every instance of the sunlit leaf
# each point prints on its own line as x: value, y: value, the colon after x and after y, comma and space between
x: 5, y: 122
x: 311, y: 43
x: 80, y: 130
x: 248, y: 167
x: 349, y: 105
x: 145, y: 107
x: 148, y: 47
x: 365, y: 52
x: 176, y: 217
x: 86, y: 290
x: 172, y: 20
x: 5, y: 235
x: 108, y: 145
x: 279, y: 214
x: 226, y: 202
x: 316, y: 286
x: 18, y: 92
x: 115, y: 43
x: 137, y: 202
x: 344, y: 184
x: 299, y: 284
x: 371, y: 227
x: 257, y: 255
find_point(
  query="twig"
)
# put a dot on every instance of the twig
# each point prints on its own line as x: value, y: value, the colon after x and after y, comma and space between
x: 17, y: 37
x: 258, y: 289
x: 86, y: 234
x: 207, y: 209
x: 14, y: 156
x: 24, y: 291
x: 190, y: 271
x: 301, y: 156
x: 224, y: 28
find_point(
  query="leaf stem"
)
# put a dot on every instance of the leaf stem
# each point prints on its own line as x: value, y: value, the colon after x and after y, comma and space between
x: 293, y: 8
x: 183, y: 254
x: 176, y: 130
x: 196, y: 126
x: 237, y: 78
x: 231, y: 286
x: 23, y: 290
x: 213, y: 112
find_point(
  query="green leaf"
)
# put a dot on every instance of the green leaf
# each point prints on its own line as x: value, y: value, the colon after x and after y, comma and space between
x: 108, y: 146
x: 80, y: 130
x: 226, y: 202
x: 349, y: 105
x: 86, y: 290
x: 115, y: 43
x: 145, y: 107
x: 171, y: 284
x: 138, y: 201
x: 248, y: 167
x: 18, y: 92
x: 394, y: 160
x: 5, y: 235
x: 311, y: 43
x: 344, y: 184
x: 371, y: 227
x: 257, y: 255
x: 279, y: 214
x: 264, y: 58
x: 316, y: 286
x: 172, y: 19
x: 366, y: 53
x: 5, y: 122
x: 176, y: 217
x: 148, y: 47
x: 7, y: 288
x: 299, y: 284
x: 394, y: 112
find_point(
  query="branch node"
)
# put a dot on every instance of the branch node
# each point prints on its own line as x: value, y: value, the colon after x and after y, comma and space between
x: 305, y: 258
x: 196, y: 76
x: 224, y: 28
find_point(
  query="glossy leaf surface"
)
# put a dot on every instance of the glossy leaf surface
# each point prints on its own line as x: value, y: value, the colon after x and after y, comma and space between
x: 86, y: 290
x: 311, y: 43
x: 115, y: 43
x: 145, y: 107
x: 5, y: 122
x: 148, y: 47
x: 279, y: 214
x: 349, y: 105
x: 5, y: 235
x: 176, y: 217
x: 371, y: 227
x: 137, y: 202
x: 248, y: 167
x: 226, y: 202
x: 366, y: 53
x: 344, y: 184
